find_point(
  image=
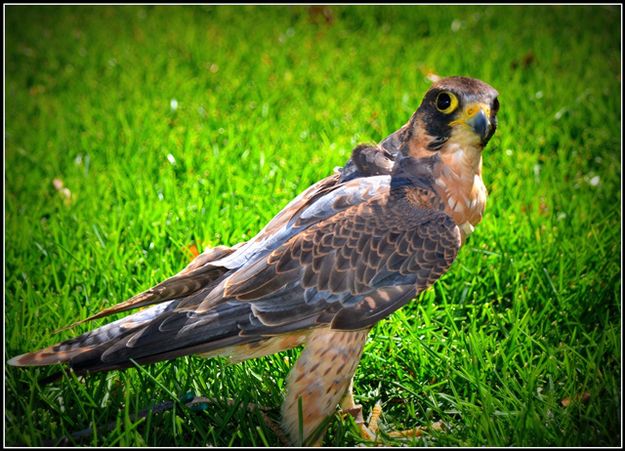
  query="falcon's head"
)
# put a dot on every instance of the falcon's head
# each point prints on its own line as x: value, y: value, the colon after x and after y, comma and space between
x: 456, y: 113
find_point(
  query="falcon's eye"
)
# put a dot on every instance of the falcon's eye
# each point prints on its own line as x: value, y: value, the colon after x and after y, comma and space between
x: 446, y: 102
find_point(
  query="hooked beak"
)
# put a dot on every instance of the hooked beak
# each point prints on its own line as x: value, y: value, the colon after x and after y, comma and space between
x: 480, y: 124
x: 476, y: 116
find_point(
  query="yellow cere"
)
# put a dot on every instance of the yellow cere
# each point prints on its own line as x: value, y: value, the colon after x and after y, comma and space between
x: 470, y: 111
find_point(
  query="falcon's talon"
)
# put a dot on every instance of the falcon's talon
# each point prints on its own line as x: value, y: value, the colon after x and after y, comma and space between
x: 343, y: 255
x: 374, y: 417
x: 366, y: 432
x: 416, y: 432
x: 370, y: 431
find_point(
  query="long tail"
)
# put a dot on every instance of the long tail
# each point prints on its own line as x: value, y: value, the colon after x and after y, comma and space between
x: 69, y: 349
x: 84, y: 352
x: 159, y: 333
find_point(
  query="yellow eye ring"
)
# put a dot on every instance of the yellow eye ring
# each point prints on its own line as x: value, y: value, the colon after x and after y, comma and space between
x: 446, y: 102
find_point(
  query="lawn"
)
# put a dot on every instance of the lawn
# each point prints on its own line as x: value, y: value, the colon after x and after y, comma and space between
x: 135, y: 134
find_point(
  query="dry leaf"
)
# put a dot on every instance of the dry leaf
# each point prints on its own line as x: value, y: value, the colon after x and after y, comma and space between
x: 433, y: 77
x: 583, y: 397
x: 191, y: 249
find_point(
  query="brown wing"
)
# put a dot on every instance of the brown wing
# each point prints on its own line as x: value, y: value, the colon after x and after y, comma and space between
x: 349, y: 270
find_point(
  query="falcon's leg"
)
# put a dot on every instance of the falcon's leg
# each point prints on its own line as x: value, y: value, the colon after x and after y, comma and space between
x: 348, y: 403
x: 318, y: 381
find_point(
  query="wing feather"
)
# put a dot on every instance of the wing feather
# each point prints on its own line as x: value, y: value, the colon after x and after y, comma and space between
x: 393, y: 243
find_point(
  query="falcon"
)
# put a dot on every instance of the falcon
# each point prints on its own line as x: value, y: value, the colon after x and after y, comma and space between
x: 343, y: 255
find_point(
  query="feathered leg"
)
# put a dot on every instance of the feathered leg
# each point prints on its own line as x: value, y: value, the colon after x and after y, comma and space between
x: 318, y: 382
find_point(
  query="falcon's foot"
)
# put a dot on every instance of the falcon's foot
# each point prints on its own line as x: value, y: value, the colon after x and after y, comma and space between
x: 369, y: 431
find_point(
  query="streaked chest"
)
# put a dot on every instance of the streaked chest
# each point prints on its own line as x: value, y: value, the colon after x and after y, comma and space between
x: 459, y: 183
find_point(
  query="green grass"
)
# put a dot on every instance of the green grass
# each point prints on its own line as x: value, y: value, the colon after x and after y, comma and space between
x: 269, y: 100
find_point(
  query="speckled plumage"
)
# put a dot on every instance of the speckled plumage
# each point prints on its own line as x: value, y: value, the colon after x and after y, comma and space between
x: 320, y: 379
x: 344, y: 254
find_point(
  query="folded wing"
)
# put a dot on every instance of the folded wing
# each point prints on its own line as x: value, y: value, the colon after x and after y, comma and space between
x: 345, y: 253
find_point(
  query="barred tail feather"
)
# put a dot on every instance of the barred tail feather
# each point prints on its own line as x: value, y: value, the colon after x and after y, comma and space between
x: 69, y: 349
